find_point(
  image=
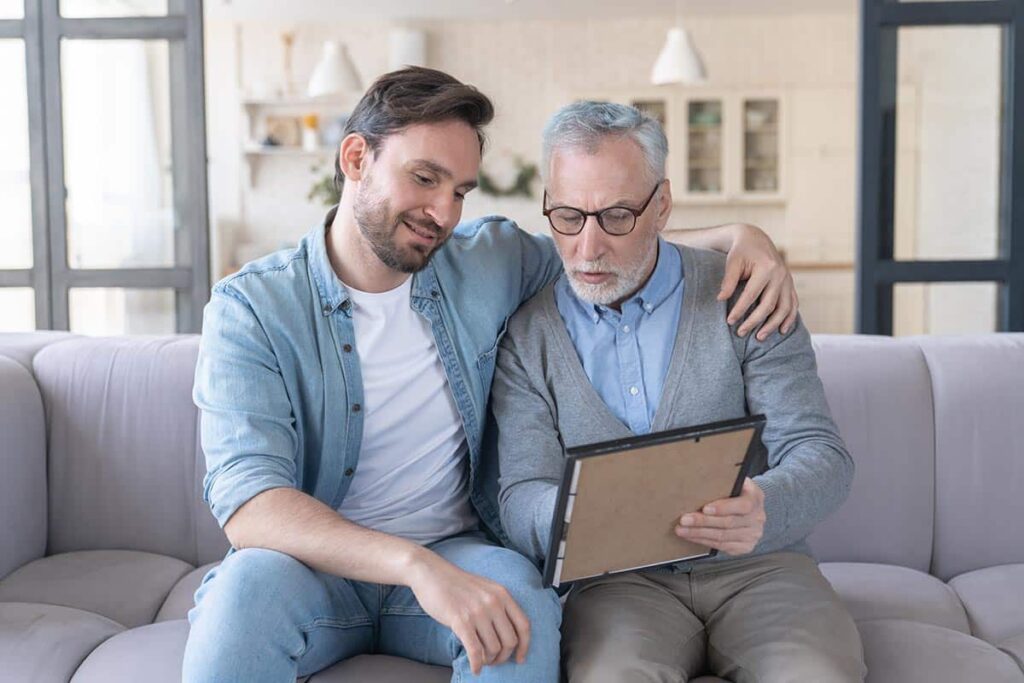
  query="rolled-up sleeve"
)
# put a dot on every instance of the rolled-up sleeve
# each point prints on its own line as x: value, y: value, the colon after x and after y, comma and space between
x: 247, y: 426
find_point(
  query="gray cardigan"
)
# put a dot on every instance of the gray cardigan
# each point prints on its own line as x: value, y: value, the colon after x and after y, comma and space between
x: 544, y: 403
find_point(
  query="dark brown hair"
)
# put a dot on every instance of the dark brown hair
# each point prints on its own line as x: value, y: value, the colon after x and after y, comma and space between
x: 414, y: 95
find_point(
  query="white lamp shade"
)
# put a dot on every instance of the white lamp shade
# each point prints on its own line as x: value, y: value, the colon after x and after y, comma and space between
x: 334, y: 73
x: 408, y: 47
x: 678, y: 62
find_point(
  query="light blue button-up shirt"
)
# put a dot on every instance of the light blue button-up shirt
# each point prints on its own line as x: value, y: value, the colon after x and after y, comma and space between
x: 626, y: 354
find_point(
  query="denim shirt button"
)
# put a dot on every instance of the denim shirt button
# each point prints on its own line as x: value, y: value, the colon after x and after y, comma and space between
x: 433, y: 292
x: 349, y: 472
x: 356, y: 407
x: 327, y: 309
x: 347, y: 348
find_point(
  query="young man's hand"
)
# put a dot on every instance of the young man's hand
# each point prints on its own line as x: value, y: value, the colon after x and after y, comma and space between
x: 754, y: 258
x: 480, y: 612
x: 732, y: 525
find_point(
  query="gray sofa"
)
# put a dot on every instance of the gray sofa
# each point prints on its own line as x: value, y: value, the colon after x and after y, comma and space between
x: 104, y: 537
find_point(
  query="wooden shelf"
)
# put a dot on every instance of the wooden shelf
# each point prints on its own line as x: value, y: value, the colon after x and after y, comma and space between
x: 334, y: 102
x: 285, y: 151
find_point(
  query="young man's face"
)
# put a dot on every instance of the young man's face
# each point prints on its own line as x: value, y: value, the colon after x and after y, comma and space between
x: 410, y: 195
x: 607, y: 269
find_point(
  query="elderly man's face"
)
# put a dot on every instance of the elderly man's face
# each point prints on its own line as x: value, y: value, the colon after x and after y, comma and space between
x: 607, y: 269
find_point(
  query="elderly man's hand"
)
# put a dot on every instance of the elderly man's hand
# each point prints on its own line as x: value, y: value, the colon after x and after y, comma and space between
x: 753, y: 257
x: 732, y: 525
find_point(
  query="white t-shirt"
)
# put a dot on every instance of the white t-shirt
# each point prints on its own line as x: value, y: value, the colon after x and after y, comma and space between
x: 413, y: 475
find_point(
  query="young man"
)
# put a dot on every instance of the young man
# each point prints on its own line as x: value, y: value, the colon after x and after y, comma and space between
x: 631, y: 338
x: 343, y: 388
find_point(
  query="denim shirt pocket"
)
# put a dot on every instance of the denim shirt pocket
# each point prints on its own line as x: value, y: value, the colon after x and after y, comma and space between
x: 485, y: 361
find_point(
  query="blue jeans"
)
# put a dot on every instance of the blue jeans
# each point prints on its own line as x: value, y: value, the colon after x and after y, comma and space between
x: 262, y: 615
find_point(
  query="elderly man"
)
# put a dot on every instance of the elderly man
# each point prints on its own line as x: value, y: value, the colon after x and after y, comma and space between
x: 630, y: 339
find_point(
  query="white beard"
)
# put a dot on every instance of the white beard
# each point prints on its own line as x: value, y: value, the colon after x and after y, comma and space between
x: 626, y: 279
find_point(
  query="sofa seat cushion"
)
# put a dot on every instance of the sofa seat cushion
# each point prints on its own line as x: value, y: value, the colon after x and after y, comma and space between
x: 1015, y: 648
x: 154, y: 654
x: 912, y: 652
x: 123, y: 585
x: 47, y: 642
x: 151, y: 653
x: 994, y: 600
x: 182, y: 597
x: 881, y: 591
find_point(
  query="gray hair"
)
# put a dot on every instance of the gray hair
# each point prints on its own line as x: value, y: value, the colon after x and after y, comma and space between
x: 585, y: 124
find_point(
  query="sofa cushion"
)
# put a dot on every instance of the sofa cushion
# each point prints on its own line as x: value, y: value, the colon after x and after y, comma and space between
x: 880, y: 395
x: 150, y: 653
x: 878, y: 591
x: 23, y: 464
x: 154, y: 653
x: 125, y: 464
x: 994, y: 600
x: 182, y: 597
x: 979, y: 471
x: 123, y: 585
x: 1015, y: 648
x: 911, y: 652
x: 47, y: 642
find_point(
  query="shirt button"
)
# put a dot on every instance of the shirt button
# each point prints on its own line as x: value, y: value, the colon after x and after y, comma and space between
x: 347, y: 348
x: 634, y: 391
x: 625, y: 328
x: 327, y: 310
x: 349, y: 472
x: 648, y: 308
x: 356, y: 407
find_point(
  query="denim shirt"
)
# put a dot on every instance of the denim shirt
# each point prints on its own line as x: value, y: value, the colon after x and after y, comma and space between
x: 278, y: 379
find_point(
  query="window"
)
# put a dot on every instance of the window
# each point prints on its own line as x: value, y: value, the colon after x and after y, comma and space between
x: 103, y: 166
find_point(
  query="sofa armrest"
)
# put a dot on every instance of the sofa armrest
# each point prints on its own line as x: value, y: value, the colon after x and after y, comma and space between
x: 23, y: 502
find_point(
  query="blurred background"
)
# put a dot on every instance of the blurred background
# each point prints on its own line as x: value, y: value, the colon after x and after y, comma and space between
x: 872, y: 140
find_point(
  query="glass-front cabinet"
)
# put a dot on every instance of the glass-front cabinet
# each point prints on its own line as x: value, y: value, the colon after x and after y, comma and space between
x: 761, y: 145
x: 734, y: 148
x: 704, y: 149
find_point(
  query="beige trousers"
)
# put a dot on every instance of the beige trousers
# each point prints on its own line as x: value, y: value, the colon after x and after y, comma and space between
x: 770, y: 618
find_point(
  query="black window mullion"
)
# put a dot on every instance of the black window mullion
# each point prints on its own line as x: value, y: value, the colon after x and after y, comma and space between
x: 877, y: 169
x: 124, y: 28
x: 54, y: 136
x: 16, y: 278
x: 188, y: 122
x: 1012, y: 238
x: 34, y: 84
x: 877, y: 270
x: 12, y: 28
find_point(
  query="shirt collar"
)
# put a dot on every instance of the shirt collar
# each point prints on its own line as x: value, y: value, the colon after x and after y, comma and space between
x: 668, y: 272
x: 333, y: 293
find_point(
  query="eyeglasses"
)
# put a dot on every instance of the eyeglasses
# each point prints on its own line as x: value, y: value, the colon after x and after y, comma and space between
x: 614, y: 220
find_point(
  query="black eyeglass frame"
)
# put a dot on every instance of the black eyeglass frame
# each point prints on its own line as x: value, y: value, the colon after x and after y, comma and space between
x: 597, y: 214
